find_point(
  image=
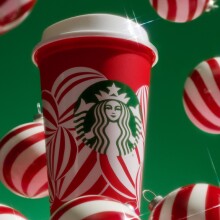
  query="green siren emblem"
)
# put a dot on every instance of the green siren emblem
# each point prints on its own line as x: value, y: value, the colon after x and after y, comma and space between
x: 107, y: 118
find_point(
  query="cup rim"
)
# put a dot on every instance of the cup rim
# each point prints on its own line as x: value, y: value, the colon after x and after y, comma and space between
x: 100, y: 25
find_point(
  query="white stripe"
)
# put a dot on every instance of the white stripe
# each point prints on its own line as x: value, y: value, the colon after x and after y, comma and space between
x: 198, y: 123
x: 197, y: 201
x: 199, y: 103
x: 163, y: 8
x: 208, y: 78
x: 24, y: 160
x: 182, y: 10
x: 84, y: 210
x: 11, y: 217
x: 199, y: 8
x: 166, y: 210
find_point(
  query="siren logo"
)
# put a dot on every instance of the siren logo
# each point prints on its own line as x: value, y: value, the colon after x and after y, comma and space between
x: 107, y: 118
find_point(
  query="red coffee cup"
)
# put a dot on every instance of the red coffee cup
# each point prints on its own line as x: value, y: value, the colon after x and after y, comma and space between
x: 95, y: 72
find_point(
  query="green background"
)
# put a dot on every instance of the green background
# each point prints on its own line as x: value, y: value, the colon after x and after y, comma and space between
x: 177, y: 151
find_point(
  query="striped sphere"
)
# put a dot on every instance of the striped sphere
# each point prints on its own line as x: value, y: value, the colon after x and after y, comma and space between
x: 8, y: 213
x: 180, y: 11
x: 23, y: 167
x: 201, y: 96
x: 94, y: 207
x: 193, y: 202
x: 13, y: 12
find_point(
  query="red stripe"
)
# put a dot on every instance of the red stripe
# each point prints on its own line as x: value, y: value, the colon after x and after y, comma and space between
x: 60, y: 147
x: 42, y: 189
x: 76, y: 202
x: 70, y: 109
x: 49, y: 98
x: 72, y: 153
x: 205, y: 93
x: 9, y: 210
x: 17, y: 131
x: 49, y: 117
x: 31, y: 172
x: 157, y: 211
x: 51, y: 155
x: 110, y: 215
x: 97, y: 188
x: 138, y: 155
x: 111, y: 176
x: 73, y: 85
x: 14, y: 153
x: 81, y: 174
x: 180, y: 205
x: 192, y: 9
x: 124, y: 167
x: 213, y: 203
x: 67, y: 79
x: 215, y: 67
x: 172, y: 10
x: 155, y: 4
x: 197, y: 114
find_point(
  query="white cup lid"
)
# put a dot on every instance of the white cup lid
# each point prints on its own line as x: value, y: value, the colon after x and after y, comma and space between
x: 107, y: 25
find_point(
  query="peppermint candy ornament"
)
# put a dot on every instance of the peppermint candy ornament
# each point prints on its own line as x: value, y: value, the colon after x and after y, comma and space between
x: 8, y: 213
x: 94, y: 207
x: 23, y: 167
x: 181, y: 11
x: 13, y: 12
x: 201, y: 96
x: 193, y: 202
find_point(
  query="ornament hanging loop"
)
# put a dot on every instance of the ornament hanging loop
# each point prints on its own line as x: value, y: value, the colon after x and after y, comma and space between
x: 39, y: 115
x: 152, y: 201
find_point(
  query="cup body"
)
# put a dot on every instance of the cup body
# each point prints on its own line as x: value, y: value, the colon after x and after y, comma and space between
x: 95, y: 98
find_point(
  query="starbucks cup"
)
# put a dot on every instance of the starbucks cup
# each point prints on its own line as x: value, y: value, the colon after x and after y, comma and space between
x: 95, y: 73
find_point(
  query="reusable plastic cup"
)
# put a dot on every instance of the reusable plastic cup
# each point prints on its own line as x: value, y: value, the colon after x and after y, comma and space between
x: 95, y: 72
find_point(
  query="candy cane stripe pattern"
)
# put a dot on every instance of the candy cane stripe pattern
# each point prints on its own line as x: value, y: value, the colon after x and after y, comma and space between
x: 201, y: 96
x: 23, y: 167
x: 192, y: 202
x: 180, y: 10
x: 12, y: 13
x: 93, y: 207
x: 8, y: 213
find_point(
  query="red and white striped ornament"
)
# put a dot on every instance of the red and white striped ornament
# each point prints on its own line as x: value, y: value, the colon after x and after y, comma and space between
x: 201, y: 96
x: 94, y: 207
x: 13, y: 12
x: 181, y: 11
x: 8, y: 213
x: 23, y: 167
x: 193, y: 202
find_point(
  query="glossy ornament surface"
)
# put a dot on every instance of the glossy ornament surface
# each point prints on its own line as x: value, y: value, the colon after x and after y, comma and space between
x: 181, y: 11
x: 8, y: 213
x: 193, y: 202
x: 13, y: 12
x: 23, y: 167
x: 201, y: 96
x: 94, y: 207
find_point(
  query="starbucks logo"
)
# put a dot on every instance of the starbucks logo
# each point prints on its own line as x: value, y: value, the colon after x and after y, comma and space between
x: 107, y: 118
